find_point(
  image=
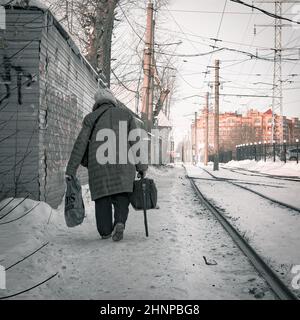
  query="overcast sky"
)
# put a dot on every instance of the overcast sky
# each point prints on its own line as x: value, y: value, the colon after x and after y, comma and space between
x: 195, y: 22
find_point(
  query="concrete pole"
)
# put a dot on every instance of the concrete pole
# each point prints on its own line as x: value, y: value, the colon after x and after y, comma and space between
x: 206, y: 113
x: 147, y: 66
x: 216, y: 129
x: 196, y: 138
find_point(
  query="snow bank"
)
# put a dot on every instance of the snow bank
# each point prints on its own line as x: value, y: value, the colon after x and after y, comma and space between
x: 269, y: 167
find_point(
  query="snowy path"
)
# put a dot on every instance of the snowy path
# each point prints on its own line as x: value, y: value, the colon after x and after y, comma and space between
x: 167, y: 265
x: 272, y: 230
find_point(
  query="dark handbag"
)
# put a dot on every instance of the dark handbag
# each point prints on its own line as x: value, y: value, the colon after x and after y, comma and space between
x: 150, y: 193
x: 85, y: 159
x: 144, y: 197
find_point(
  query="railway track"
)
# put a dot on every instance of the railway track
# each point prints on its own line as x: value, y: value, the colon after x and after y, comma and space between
x: 260, y: 174
x: 283, y: 204
x: 242, y: 181
x: 281, y: 291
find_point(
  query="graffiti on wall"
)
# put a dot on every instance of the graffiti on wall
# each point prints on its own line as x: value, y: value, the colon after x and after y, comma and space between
x: 23, y: 79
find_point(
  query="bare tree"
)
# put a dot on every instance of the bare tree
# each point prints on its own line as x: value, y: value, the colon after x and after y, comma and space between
x: 91, y: 23
x: 97, y: 21
x: 110, y: 33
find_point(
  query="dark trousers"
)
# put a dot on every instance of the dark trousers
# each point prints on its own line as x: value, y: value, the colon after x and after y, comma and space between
x: 103, y: 209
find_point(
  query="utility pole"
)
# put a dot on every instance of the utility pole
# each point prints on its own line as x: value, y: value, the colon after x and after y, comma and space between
x: 277, y: 133
x: 196, y: 138
x: 277, y: 128
x: 206, y: 129
x: 216, y: 126
x: 147, y: 98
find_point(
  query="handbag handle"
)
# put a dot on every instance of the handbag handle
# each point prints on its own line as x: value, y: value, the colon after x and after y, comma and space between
x: 96, y: 121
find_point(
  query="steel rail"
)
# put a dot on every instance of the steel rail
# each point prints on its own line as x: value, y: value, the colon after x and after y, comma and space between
x: 296, y: 178
x: 240, y: 181
x: 275, y: 283
x: 283, y: 204
x: 259, y: 174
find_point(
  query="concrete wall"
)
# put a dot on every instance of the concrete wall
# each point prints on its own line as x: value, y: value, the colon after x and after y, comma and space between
x: 67, y: 86
x: 19, y: 103
x: 44, y: 110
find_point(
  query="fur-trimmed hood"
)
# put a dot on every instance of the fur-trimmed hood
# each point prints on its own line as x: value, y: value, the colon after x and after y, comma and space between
x: 104, y: 96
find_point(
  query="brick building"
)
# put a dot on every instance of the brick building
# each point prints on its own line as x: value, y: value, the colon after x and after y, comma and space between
x: 254, y: 126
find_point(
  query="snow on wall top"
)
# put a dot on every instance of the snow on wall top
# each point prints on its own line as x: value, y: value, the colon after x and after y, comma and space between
x: 24, y: 3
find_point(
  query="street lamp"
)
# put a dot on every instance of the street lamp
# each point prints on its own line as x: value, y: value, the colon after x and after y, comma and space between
x: 284, y: 151
x: 251, y: 150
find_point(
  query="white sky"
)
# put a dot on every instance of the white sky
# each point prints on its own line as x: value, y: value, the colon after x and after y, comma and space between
x: 238, y: 29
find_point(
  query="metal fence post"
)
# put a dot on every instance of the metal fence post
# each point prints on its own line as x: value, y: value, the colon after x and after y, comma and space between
x: 265, y: 151
x: 274, y: 153
x: 284, y: 151
x: 250, y: 151
x: 297, y: 146
x: 255, y: 151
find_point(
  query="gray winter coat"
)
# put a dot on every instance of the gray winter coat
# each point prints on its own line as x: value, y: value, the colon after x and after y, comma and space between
x: 104, y: 179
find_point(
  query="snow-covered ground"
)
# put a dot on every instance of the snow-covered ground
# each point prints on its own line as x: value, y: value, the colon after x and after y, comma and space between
x: 290, y: 168
x: 272, y: 230
x: 167, y: 265
x: 283, y: 190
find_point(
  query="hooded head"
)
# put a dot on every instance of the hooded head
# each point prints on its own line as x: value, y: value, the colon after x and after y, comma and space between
x: 104, y: 95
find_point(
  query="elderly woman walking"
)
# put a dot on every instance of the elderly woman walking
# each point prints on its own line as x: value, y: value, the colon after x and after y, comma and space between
x: 110, y: 183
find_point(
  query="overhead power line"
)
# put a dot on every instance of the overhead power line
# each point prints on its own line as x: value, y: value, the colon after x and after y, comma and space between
x: 128, y: 21
x: 249, y: 54
x: 215, y: 12
x: 200, y: 54
x: 270, y: 14
x: 122, y: 83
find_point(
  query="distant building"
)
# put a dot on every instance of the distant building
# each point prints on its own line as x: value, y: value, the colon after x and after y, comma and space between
x: 235, y: 128
x: 166, y: 143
